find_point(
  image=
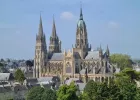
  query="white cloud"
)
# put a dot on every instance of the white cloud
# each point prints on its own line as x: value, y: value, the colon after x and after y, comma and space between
x: 67, y: 16
x: 113, y: 24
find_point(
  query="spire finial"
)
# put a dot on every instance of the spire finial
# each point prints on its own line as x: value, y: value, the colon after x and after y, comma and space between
x: 54, y: 28
x: 40, y: 15
x: 80, y: 4
x: 81, y: 14
x: 40, y: 26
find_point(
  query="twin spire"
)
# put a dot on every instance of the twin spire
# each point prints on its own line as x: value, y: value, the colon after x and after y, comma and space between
x: 40, y: 31
x: 54, y: 29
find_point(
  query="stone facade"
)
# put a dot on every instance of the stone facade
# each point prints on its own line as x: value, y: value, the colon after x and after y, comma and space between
x: 80, y: 62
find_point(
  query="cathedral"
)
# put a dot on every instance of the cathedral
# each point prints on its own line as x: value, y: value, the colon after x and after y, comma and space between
x: 80, y: 62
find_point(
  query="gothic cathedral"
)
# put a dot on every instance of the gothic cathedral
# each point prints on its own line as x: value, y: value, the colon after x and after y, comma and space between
x: 79, y: 62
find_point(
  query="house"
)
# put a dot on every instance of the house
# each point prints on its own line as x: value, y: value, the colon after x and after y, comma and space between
x: 6, y: 77
x: 43, y: 81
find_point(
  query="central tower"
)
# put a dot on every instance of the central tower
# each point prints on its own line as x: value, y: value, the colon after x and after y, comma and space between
x: 81, y: 36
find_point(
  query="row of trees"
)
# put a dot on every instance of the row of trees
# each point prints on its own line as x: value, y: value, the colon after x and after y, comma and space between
x: 122, y: 60
x: 65, y: 92
x: 123, y: 87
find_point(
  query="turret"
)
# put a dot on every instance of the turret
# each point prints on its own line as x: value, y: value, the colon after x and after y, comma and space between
x: 107, y: 51
x: 40, y: 52
x: 81, y: 34
x: 100, y: 51
x: 55, y: 43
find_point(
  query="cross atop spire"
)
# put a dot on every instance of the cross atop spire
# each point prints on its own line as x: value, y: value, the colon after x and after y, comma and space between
x: 81, y: 14
x: 40, y: 31
x: 54, y: 28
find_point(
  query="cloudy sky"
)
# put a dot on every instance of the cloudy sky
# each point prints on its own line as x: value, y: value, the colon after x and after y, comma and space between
x: 112, y: 22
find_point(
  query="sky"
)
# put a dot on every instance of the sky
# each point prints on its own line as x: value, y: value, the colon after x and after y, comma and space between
x: 115, y: 23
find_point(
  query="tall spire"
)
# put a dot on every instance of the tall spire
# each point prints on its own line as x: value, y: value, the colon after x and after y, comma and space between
x: 81, y: 14
x: 54, y: 28
x: 40, y: 31
x: 100, y: 47
x: 100, y: 51
x: 107, y: 50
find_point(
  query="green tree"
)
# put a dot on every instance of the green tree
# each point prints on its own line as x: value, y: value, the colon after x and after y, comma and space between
x: 19, y: 76
x: 138, y: 94
x: 128, y: 91
x: 10, y: 99
x: 114, y: 91
x: 125, y: 80
x: 128, y: 75
x: 1, y: 65
x: 90, y: 90
x: 67, y: 92
x: 49, y: 94
x: 123, y: 61
x: 35, y: 93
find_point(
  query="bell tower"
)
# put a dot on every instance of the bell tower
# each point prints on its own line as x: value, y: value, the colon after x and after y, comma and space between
x: 81, y: 43
x: 40, y: 52
x: 55, y: 43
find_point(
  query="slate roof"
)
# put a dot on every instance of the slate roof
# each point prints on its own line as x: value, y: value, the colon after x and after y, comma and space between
x: 56, y: 56
x: 43, y: 79
x: 46, y: 85
x: 92, y: 55
x: 31, y: 81
x: 81, y: 86
x: 6, y: 76
x: 70, y: 80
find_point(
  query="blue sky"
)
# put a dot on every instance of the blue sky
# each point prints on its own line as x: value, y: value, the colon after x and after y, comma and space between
x: 112, y: 22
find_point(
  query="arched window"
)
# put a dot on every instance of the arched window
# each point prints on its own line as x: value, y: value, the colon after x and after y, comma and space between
x: 76, y: 68
x: 68, y: 68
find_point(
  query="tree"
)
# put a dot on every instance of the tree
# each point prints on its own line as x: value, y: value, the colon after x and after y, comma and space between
x: 35, y: 93
x: 1, y: 65
x: 19, y: 76
x: 123, y: 61
x: 125, y: 80
x: 128, y: 74
x: 49, y: 94
x: 128, y: 90
x: 67, y: 92
x: 138, y: 94
x: 2, y: 60
x: 114, y: 91
x: 90, y: 90
x: 29, y: 63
